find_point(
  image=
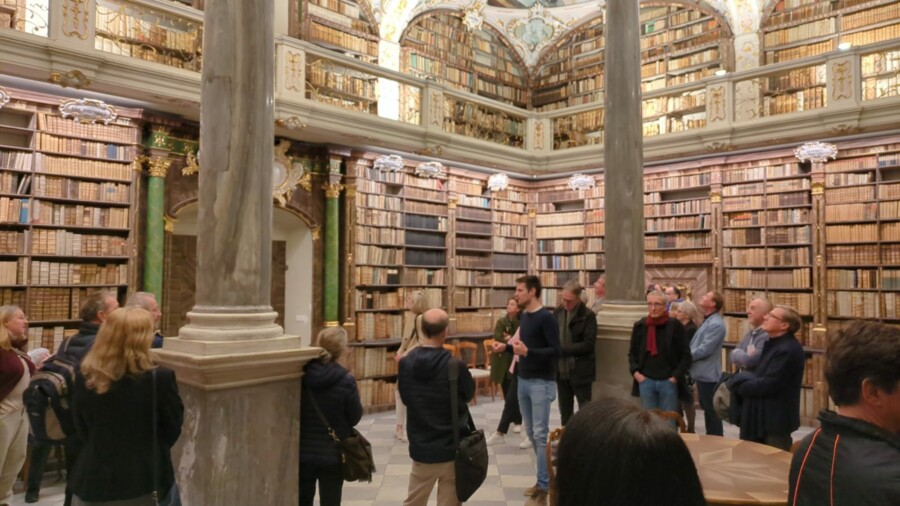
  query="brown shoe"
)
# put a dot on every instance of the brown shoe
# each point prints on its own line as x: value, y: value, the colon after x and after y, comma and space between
x: 530, y: 491
x: 538, y: 499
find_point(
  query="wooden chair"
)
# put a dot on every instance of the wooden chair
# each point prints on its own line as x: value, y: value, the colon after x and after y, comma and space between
x: 552, y: 454
x: 454, y: 351
x: 469, y: 351
x: 671, y: 415
x: 488, y: 353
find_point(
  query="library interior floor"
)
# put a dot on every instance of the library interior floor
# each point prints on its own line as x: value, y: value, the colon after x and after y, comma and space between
x: 511, y: 469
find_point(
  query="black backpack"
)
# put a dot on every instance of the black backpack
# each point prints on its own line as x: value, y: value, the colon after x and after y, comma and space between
x: 48, y: 399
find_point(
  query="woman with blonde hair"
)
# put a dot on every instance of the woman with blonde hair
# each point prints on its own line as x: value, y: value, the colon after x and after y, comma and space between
x: 687, y: 313
x: 416, y: 304
x: 15, y: 373
x: 128, y: 415
x: 328, y: 388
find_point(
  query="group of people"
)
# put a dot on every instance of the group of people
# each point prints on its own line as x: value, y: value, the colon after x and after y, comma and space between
x: 126, y: 410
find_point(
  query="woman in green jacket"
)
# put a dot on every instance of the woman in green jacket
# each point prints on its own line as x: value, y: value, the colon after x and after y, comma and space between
x: 504, y: 330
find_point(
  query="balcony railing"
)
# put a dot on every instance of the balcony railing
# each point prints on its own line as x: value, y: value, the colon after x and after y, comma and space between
x: 164, y: 33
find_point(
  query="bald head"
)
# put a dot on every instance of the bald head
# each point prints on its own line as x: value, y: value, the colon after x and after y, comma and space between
x: 434, y: 323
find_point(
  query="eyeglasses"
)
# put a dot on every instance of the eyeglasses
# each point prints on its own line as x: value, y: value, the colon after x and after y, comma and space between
x: 773, y: 315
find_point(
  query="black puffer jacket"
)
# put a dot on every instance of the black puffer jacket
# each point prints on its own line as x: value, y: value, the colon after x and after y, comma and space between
x: 77, y: 346
x: 847, y: 462
x: 335, y: 392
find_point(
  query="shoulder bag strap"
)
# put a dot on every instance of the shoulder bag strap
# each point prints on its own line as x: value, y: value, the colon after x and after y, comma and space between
x: 321, y: 415
x: 453, y: 375
x: 155, y: 442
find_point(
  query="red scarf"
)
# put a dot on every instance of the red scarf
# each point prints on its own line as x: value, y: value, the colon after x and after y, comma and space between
x: 652, y: 323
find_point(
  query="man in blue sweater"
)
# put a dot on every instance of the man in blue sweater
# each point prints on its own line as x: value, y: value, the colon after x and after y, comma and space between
x: 537, y: 352
x: 706, y: 353
x: 424, y: 386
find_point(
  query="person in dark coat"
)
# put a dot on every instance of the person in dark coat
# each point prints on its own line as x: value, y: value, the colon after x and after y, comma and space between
x: 424, y: 384
x: 577, y: 339
x: 113, y: 409
x: 94, y: 311
x: 503, y: 372
x: 689, y: 316
x: 854, y: 457
x: 334, y: 391
x: 658, y: 357
x: 770, y: 396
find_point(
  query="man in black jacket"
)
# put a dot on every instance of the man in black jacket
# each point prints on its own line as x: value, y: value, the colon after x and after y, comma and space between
x: 577, y: 337
x: 854, y: 458
x: 424, y: 386
x: 770, y: 397
x: 94, y: 311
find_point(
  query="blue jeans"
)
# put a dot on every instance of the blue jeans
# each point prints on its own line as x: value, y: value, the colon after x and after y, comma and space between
x: 659, y: 394
x: 535, y: 397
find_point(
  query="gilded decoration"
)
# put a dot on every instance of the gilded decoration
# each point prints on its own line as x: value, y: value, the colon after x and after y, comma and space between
x: 291, y: 123
x: 159, y: 166
x: 840, y: 80
x: 716, y: 147
x: 76, y: 19
x: 169, y: 223
x: 316, y: 233
x: 539, y: 136
x: 716, y: 104
x: 191, y: 166
x: 818, y: 188
x: 71, y: 79
x: 715, y: 197
x: 293, y: 71
x: 333, y: 190
x: 435, y: 110
x: 532, y: 213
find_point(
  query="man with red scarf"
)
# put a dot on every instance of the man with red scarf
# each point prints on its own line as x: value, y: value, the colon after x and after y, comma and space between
x: 659, y: 356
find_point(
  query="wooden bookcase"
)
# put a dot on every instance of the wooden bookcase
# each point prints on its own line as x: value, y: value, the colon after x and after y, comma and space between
x: 680, y: 43
x: 331, y: 83
x: 438, y: 45
x: 130, y: 30
x: 677, y: 219
x: 346, y: 26
x: 67, y: 210
x: 794, y: 29
x: 880, y: 75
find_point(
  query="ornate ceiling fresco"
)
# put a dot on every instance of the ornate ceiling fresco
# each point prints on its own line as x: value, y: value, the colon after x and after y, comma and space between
x: 532, y: 25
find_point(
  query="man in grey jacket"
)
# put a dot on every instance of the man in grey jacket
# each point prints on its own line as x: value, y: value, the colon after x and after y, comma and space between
x: 746, y: 354
x: 706, y: 352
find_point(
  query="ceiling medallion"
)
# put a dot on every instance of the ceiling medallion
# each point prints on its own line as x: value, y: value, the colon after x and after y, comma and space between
x: 389, y: 163
x: 4, y: 97
x: 532, y: 33
x: 581, y: 182
x: 498, y: 182
x: 816, y: 152
x: 430, y: 169
x: 86, y: 110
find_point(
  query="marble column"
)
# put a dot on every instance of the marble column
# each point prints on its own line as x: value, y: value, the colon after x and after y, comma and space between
x: 332, y: 253
x: 623, y: 167
x: 238, y: 374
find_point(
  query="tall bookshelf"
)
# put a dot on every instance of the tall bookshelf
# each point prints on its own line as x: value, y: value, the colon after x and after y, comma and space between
x: 880, y: 74
x: 127, y: 29
x: 767, y: 240
x: 795, y: 29
x: 345, y: 26
x: 862, y: 237
x: 677, y: 219
x: 438, y: 45
x: 680, y: 43
x: 569, y: 232
x: 67, y: 206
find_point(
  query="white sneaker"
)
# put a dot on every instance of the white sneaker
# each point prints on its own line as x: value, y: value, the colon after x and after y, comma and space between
x: 496, y: 439
x: 525, y: 444
x: 516, y: 428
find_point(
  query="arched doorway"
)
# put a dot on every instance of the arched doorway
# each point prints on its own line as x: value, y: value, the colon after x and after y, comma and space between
x: 292, y: 268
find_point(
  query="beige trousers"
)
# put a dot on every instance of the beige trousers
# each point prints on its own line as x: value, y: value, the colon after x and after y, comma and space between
x: 401, y: 409
x: 421, y: 482
x: 13, y: 442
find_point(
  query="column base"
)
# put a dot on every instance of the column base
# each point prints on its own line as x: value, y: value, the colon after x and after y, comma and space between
x: 215, y: 333
x: 240, y: 442
x: 614, y: 324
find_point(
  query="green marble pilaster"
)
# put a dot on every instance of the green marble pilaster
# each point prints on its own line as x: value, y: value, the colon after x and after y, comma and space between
x: 153, y: 240
x: 332, y: 253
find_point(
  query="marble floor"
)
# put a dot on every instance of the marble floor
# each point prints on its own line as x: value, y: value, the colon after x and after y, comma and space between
x: 511, y: 469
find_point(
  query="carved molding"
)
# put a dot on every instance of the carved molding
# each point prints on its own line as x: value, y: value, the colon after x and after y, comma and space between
x: 294, y: 71
x: 159, y: 166
x: 840, y: 80
x: 192, y: 166
x: 75, y: 18
x: 539, y: 136
x: 291, y: 123
x: 333, y: 190
x: 4, y: 97
x: 169, y: 223
x: 717, y: 105
x: 71, y: 79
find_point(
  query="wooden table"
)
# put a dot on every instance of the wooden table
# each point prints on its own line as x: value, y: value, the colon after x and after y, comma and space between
x: 739, y: 472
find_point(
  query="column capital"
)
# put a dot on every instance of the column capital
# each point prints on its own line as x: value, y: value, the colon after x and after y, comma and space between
x: 332, y: 190
x: 159, y: 166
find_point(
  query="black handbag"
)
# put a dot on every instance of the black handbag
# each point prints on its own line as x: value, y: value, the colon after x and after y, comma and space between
x: 357, y: 463
x: 471, y: 464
